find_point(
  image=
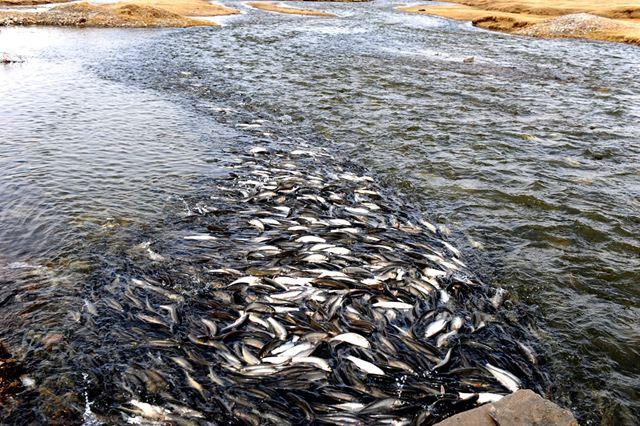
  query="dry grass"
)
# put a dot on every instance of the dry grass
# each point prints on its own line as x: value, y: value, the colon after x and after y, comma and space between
x: 180, y: 7
x: 110, y: 15
x: 607, y: 20
x: 274, y: 7
x: 188, y: 7
x: 627, y: 9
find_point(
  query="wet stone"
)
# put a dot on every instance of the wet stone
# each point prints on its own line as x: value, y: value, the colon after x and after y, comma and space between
x: 523, y: 408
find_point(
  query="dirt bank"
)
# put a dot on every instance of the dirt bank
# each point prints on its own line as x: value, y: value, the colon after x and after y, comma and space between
x: 617, y: 20
x: 112, y: 15
x: 627, y: 9
x: 188, y: 7
x: 275, y: 7
x: 12, y: 3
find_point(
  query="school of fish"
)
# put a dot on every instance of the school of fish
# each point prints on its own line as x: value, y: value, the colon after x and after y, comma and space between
x: 301, y: 292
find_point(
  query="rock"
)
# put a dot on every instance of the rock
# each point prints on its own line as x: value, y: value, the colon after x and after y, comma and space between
x: 522, y: 408
x: 469, y: 60
x: 572, y: 25
x: 5, y: 58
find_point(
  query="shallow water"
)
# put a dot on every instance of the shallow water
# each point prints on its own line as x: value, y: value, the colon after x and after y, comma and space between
x: 530, y: 155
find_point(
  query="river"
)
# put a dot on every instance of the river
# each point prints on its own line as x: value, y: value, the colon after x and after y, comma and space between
x: 530, y: 155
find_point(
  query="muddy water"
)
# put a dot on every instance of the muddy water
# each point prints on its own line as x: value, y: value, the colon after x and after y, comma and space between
x: 529, y: 155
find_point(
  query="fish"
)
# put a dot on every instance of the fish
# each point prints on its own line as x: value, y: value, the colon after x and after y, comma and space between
x: 506, y: 379
x: 258, y: 150
x: 259, y: 370
x: 528, y: 352
x: 256, y: 223
x: 483, y: 397
x: 366, y: 366
x: 315, y: 258
x: 433, y: 273
x: 353, y: 339
x: 159, y: 290
x: 250, y: 280
x: 200, y: 237
x: 430, y: 227
x: 248, y: 357
x: 148, y: 411
x: 298, y: 228
x: 352, y: 407
x: 278, y: 329
x: 241, y: 319
x: 319, y: 247
x: 444, y: 361
x: 192, y: 383
x: 212, y: 328
x: 348, y: 231
x: 337, y: 250
x: 302, y: 350
x: 444, y: 338
x: 183, y: 363
x: 435, y: 327
x: 310, y: 239
x: 227, y: 271
x: 173, y: 312
x: 392, y: 305
x: 315, y: 361
x: 456, y: 323
x: 452, y: 249
x: 293, y: 281
x: 323, y: 298
x: 152, y: 320
x: 284, y: 210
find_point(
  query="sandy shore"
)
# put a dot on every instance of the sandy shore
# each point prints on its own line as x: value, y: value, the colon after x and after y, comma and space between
x: 108, y: 15
x: 11, y: 3
x: 611, y: 20
x: 132, y: 13
x: 278, y: 8
x: 188, y: 7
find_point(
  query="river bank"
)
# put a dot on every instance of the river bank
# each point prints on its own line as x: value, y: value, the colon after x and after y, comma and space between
x: 617, y: 21
x: 132, y: 14
x: 135, y: 13
x: 109, y: 16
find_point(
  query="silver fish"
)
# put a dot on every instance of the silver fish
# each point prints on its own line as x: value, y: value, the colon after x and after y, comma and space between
x: 366, y: 366
x: 352, y: 338
x: 505, y: 378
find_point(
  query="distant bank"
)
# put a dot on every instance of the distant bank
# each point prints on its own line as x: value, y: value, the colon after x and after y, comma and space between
x: 613, y: 20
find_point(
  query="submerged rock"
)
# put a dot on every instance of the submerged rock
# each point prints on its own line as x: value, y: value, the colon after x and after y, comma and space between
x: 521, y: 408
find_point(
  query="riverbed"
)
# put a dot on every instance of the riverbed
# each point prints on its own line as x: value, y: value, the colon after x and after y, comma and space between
x: 529, y: 155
